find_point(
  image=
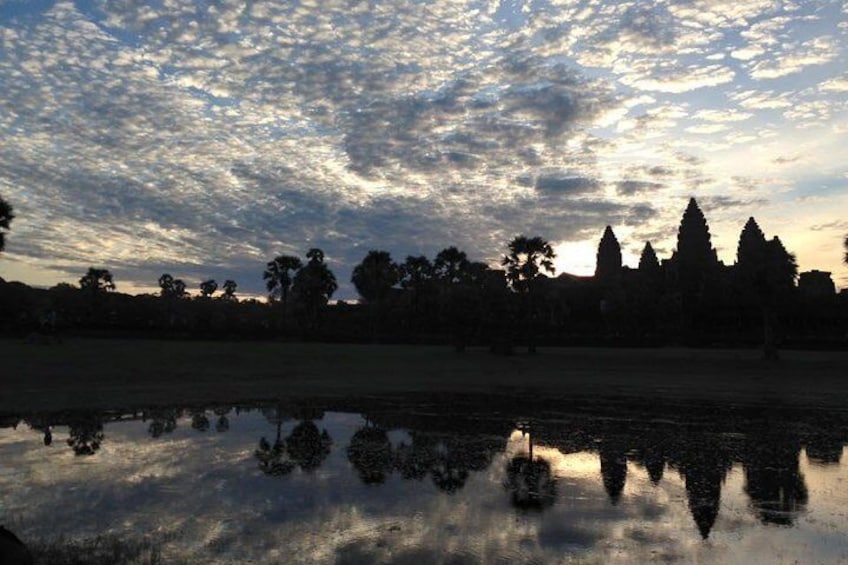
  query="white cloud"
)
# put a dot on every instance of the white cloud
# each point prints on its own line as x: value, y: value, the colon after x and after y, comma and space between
x: 243, y: 131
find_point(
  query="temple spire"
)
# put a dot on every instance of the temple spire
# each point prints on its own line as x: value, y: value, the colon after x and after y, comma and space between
x: 608, y: 265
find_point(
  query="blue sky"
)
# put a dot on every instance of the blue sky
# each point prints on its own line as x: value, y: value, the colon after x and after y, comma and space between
x: 204, y: 138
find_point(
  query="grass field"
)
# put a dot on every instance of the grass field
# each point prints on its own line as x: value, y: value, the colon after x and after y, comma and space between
x: 88, y: 373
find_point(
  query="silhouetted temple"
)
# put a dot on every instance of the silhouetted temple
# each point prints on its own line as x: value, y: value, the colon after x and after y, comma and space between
x: 687, y: 298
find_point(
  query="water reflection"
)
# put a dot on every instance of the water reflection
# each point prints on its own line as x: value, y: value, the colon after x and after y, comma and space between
x: 608, y: 471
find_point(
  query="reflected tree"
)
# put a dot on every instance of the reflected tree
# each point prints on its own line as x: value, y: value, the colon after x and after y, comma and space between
x: 414, y: 460
x: 531, y: 483
x: 222, y: 423
x: 773, y: 479
x: 308, y: 447
x: 85, y: 435
x: 448, y: 468
x: 370, y: 453
x: 529, y: 479
x: 199, y: 420
x: 824, y: 449
x: 272, y: 457
x: 613, y: 455
x: 42, y: 424
x: 162, y: 422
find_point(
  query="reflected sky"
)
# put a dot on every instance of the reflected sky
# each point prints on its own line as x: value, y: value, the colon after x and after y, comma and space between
x: 442, y: 497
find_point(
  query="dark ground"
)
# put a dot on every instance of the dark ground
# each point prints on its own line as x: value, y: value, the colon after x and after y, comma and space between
x: 101, y: 374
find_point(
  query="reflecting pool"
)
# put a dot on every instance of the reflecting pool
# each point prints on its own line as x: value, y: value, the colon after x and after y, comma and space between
x: 459, y: 480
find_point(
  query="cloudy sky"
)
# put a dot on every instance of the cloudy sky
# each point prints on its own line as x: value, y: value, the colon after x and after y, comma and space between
x: 203, y: 138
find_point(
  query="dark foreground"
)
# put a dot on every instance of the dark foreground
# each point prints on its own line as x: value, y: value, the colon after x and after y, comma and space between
x: 116, y: 373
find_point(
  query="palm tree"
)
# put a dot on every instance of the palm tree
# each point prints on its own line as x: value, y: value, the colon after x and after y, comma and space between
x: 6, y: 218
x: 208, y: 288
x: 229, y: 288
x: 278, y: 276
x: 313, y: 286
x: 96, y: 281
x: 272, y: 457
x: 844, y: 259
x: 416, y: 276
x: 374, y: 278
x: 527, y: 257
x: 450, y: 264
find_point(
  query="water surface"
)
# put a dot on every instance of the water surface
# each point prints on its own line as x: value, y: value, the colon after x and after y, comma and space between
x: 483, y: 481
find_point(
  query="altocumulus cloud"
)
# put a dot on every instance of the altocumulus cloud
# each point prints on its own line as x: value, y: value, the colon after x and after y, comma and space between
x: 203, y: 138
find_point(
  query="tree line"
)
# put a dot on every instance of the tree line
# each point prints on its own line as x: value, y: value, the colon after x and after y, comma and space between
x: 691, y: 297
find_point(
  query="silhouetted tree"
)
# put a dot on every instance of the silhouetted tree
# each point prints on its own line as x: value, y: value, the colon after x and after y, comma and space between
x: 449, y: 265
x: 171, y: 288
x: 96, y: 281
x: 765, y: 275
x: 527, y: 257
x: 845, y: 245
x: 278, y: 277
x: 229, y: 287
x: 208, y: 288
x: 6, y: 218
x: 166, y: 284
x: 416, y: 276
x: 374, y: 278
x: 608, y: 264
x: 313, y: 286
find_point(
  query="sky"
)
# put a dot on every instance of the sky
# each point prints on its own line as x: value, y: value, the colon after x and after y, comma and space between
x: 204, y: 138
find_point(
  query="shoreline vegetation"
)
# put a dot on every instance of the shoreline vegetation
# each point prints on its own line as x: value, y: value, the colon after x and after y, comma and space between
x: 112, y: 373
